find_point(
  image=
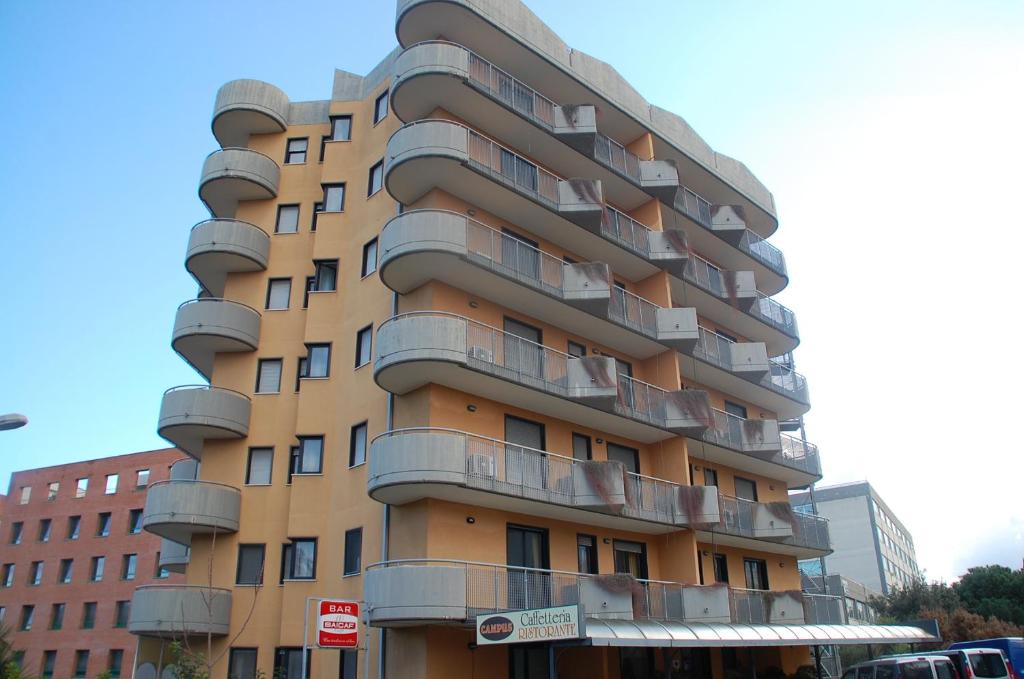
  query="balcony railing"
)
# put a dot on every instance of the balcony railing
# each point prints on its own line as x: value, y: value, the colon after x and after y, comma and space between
x: 634, y: 311
x: 617, y: 157
x: 824, y: 609
x: 772, y: 521
x: 798, y: 454
x: 523, y: 99
x: 509, y: 167
x: 626, y: 231
x: 717, y: 350
x: 736, y: 433
x: 514, y: 257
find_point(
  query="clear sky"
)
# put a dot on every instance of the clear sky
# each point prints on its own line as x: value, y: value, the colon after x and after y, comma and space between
x: 889, y: 132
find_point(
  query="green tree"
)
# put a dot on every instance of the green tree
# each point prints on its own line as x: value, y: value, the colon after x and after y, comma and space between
x: 993, y: 591
x: 907, y: 602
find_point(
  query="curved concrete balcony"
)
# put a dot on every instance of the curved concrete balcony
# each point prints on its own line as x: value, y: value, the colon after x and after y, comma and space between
x: 180, y: 610
x: 247, y: 107
x: 231, y: 175
x: 744, y: 370
x: 422, y: 245
x: 174, y: 556
x: 433, y: 591
x: 218, y: 247
x: 420, y: 348
x: 411, y: 464
x: 756, y: 525
x: 207, y: 326
x: 191, y: 414
x: 177, y: 510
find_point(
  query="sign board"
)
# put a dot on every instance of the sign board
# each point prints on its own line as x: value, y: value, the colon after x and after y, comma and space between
x: 539, y: 624
x: 337, y: 624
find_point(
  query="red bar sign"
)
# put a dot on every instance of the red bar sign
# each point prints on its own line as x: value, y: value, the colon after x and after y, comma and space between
x: 337, y: 624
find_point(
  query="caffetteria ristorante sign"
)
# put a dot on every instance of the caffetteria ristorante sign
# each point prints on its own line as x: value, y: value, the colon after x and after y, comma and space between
x: 539, y: 624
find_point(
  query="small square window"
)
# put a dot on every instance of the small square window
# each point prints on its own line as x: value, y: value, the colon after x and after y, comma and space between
x: 128, y: 563
x: 122, y: 611
x: 287, y: 219
x: 142, y: 478
x: 380, y: 108
x: 326, y: 277
x: 278, y: 292
x: 135, y: 522
x: 268, y: 375
x: 103, y: 525
x: 26, y: 495
x: 376, y: 179
x: 353, y: 551
x: 111, y: 487
x: 66, y: 570
x: 341, y: 128
x: 81, y: 486
x: 334, y: 198
x: 369, y: 258
x: 250, y: 565
x: 308, y: 455
x: 261, y: 467
x: 364, y: 344
x: 357, y: 445
x: 296, y: 152
x: 51, y: 491
x: 298, y: 559
x: 318, y: 360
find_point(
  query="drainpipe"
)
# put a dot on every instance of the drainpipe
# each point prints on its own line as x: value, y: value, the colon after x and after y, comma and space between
x: 386, y: 527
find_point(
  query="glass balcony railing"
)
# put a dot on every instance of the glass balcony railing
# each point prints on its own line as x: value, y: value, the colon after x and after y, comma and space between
x: 775, y: 521
x: 716, y: 349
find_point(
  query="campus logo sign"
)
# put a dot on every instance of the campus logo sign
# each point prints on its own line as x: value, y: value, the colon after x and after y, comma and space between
x: 539, y: 624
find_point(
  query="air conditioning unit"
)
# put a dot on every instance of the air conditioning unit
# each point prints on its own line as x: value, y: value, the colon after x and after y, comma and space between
x: 481, y: 465
x: 481, y: 354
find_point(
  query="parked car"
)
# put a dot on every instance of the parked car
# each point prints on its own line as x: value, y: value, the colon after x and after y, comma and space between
x: 978, y: 663
x: 1012, y: 648
x: 911, y: 666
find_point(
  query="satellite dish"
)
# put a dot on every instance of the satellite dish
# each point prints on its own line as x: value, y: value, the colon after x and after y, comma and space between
x: 12, y: 421
x: 145, y: 671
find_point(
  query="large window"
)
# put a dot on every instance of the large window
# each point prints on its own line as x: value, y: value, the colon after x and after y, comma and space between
x: 341, y: 128
x: 26, y: 495
x: 369, y: 258
x: 364, y: 344
x: 250, y: 564
x: 630, y: 558
x: 586, y: 553
x: 287, y: 219
x: 298, y: 559
x: 334, y: 198
x: 721, y: 568
x: 51, y: 491
x: 122, y: 611
x: 259, y: 471
x: 353, y: 551
x: 376, y: 178
x: 756, y: 572
x: 581, y: 448
x: 268, y: 375
x: 357, y: 445
x: 318, y: 360
x: 380, y: 108
x: 326, y: 277
x: 630, y: 457
x: 242, y: 663
x: 278, y: 292
x: 297, y: 149
x: 308, y: 455
x: 288, y: 663
x: 746, y: 489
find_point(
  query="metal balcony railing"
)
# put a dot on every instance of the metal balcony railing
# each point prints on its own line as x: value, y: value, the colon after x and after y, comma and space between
x: 634, y: 311
x: 509, y: 167
x: 522, y: 98
x: 717, y: 349
x: 616, y: 156
x: 773, y: 313
x: 626, y: 231
x: 731, y: 431
x: 798, y: 454
x: 824, y: 609
x: 759, y: 520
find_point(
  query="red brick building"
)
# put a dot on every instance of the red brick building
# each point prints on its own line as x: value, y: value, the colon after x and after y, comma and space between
x: 72, y: 551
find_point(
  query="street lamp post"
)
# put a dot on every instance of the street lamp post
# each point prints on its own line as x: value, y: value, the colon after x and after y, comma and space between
x: 12, y: 421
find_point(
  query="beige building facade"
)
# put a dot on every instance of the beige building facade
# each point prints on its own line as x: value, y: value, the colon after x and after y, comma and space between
x: 484, y: 332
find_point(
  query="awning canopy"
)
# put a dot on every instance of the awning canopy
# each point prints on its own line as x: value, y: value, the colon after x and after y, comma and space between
x: 696, y: 634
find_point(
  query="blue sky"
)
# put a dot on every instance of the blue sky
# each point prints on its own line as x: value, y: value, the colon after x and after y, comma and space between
x: 888, y: 131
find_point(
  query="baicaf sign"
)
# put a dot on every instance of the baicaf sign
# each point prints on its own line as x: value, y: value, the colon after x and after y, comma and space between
x: 337, y: 624
x: 539, y: 624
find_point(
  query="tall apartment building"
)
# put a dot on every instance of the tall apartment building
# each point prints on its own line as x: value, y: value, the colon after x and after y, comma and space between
x: 484, y: 332
x: 870, y: 545
x: 72, y: 552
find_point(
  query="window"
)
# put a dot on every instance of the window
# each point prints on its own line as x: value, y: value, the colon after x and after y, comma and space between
x: 142, y: 478
x: 756, y: 572
x: 26, y: 495
x: 49, y: 660
x: 287, y: 219
x: 27, y: 614
x: 353, y: 551
x: 51, y: 491
x: 128, y: 562
x: 3, y: 614
x: 74, y: 527
x: 8, y: 580
x: 296, y: 152
x: 364, y: 343
x: 288, y: 663
x: 308, y: 455
x: 44, y: 530
x: 586, y: 553
x: 318, y: 360
x: 746, y: 489
x: 159, y: 572
x: 268, y: 375
x: 531, y: 662
x: 577, y: 350
x: 35, y: 573
x: 260, y: 468
x: 16, y: 531
x: 135, y: 522
x: 630, y: 457
x: 81, y: 485
x: 334, y: 198
x: 317, y: 209
x: 721, y: 568
x: 278, y: 292
x: 298, y: 559
x: 122, y: 611
x: 300, y: 371
x: 242, y: 663
x: 96, y: 568
x: 348, y: 668
x: 57, y: 616
x: 357, y: 445
x: 81, y: 663
x: 66, y: 568
x: 369, y: 258
x: 380, y: 108
x: 111, y: 487
x: 581, y: 449
x: 249, y: 570
x: 630, y: 558
x: 341, y: 128
x: 376, y: 178
x: 710, y: 477
x: 88, y: 615
x: 114, y: 659
x: 103, y: 525
x: 310, y: 287
x: 326, y: 277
